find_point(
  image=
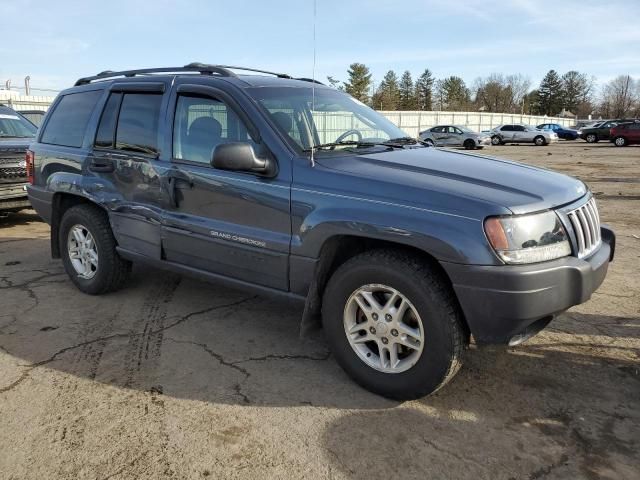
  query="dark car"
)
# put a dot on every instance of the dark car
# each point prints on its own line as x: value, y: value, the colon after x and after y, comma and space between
x: 291, y: 188
x: 600, y: 132
x: 15, y: 135
x: 562, y: 132
x: 626, y: 134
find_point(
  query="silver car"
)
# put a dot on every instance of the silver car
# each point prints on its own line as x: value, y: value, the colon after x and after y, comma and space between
x: 518, y: 133
x: 455, y: 136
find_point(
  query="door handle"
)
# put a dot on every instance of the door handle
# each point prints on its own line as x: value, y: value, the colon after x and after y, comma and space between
x: 102, y: 165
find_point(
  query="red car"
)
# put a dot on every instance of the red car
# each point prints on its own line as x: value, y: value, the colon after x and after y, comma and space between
x: 626, y: 134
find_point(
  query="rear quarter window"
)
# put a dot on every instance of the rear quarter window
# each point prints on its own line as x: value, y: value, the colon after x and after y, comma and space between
x: 68, y: 121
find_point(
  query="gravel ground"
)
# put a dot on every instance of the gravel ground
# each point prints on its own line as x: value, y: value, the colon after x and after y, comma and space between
x: 174, y: 378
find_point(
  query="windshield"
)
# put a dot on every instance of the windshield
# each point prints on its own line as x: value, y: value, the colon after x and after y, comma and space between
x: 336, y: 118
x: 13, y: 125
x: 465, y: 129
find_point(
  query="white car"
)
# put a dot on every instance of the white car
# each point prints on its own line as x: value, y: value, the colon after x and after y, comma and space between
x: 518, y: 133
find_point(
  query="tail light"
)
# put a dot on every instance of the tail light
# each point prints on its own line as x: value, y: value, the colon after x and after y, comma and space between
x: 29, y: 161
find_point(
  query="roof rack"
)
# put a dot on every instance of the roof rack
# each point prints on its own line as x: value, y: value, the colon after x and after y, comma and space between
x: 195, y: 67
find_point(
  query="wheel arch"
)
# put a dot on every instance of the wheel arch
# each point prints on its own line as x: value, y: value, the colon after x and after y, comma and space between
x: 61, y: 202
x: 337, y: 249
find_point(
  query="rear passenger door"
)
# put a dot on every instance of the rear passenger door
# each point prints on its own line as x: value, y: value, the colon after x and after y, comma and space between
x: 230, y: 223
x: 125, y: 154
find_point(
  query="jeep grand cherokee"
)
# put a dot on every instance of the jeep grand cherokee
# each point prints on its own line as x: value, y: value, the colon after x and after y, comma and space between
x: 287, y: 187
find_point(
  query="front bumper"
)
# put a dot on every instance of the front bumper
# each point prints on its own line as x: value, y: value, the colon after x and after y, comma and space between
x: 501, y: 302
x: 13, y: 196
x: 483, y: 142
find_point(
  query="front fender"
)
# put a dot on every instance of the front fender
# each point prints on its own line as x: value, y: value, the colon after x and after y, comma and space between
x: 447, y: 237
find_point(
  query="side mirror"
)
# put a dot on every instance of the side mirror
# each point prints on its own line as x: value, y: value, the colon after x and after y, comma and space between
x: 238, y: 157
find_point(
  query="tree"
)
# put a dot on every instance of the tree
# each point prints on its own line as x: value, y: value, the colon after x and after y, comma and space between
x: 407, y: 99
x: 576, y: 92
x: 621, y: 97
x: 550, y: 94
x: 424, y: 91
x: 359, y: 82
x: 499, y: 93
x: 387, y: 95
x: 453, y: 94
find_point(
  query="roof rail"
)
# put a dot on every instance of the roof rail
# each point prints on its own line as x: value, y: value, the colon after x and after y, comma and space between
x: 305, y: 79
x: 195, y: 67
x: 192, y: 67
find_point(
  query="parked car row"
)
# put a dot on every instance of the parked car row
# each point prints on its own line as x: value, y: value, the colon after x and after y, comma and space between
x: 607, y: 130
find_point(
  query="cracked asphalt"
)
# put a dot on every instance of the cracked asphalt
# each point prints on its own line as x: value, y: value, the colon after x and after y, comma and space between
x: 175, y: 378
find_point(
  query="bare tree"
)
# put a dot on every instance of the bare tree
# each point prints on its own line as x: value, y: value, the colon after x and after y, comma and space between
x: 620, y: 97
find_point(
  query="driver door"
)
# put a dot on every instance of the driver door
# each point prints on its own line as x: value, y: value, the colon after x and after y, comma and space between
x: 231, y: 223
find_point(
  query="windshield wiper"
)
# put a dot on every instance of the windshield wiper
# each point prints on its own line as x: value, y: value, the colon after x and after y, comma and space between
x: 354, y: 143
x: 4, y: 135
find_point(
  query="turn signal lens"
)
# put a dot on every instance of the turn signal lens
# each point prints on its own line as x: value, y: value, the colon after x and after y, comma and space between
x: 495, y: 234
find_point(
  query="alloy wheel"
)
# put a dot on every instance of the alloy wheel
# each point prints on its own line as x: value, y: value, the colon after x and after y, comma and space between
x: 383, y: 328
x: 83, y: 251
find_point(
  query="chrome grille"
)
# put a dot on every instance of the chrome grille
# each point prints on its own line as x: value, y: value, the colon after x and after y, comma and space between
x: 585, y: 221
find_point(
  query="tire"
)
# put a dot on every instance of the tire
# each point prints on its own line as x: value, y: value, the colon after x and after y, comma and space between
x: 430, y: 142
x: 469, y: 144
x: 496, y: 140
x: 540, y: 141
x: 620, y: 142
x: 110, y: 271
x: 591, y: 138
x: 426, y: 293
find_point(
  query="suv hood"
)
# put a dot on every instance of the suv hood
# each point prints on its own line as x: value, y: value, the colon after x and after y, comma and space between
x: 15, y: 143
x: 517, y: 187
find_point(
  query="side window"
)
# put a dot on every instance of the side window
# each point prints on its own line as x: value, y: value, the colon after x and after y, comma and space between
x: 507, y: 128
x: 518, y: 128
x: 67, y: 123
x: 129, y: 122
x: 201, y: 124
x: 436, y: 129
x: 106, y: 135
x: 457, y: 130
x: 137, y: 128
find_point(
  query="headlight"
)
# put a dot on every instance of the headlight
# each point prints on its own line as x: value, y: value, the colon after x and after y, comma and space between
x: 528, y: 238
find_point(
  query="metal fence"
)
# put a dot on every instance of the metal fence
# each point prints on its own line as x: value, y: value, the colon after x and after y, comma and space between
x: 25, y: 102
x: 415, y: 122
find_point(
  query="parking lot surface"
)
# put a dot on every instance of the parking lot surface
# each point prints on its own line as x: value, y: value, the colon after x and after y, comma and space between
x: 175, y: 378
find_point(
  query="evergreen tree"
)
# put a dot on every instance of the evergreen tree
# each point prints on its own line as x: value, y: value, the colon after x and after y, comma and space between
x: 455, y: 94
x: 406, y: 93
x: 387, y: 95
x: 576, y: 90
x: 424, y: 91
x: 334, y: 83
x: 359, y: 82
x: 550, y: 94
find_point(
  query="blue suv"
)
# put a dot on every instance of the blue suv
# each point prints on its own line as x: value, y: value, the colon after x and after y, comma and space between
x: 286, y: 187
x: 562, y: 132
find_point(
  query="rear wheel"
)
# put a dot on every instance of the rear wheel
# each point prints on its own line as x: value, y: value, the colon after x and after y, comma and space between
x: 620, y: 142
x: 469, y: 144
x: 540, y: 141
x: 393, y: 324
x: 88, y: 251
x: 591, y: 138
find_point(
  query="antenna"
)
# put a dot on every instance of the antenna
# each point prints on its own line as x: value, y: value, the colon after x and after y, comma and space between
x: 313, y: 83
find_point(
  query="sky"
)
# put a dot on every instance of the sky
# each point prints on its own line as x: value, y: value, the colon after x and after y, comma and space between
x: 58, y: 42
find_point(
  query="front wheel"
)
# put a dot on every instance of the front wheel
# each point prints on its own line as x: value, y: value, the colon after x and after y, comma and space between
x: 620, y: 142
x: 88, y: 251
x: 469, y: 144
x: 393, y: 324
x: 591, y: 138
x: 539, y: 141
x: 496, y: 140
